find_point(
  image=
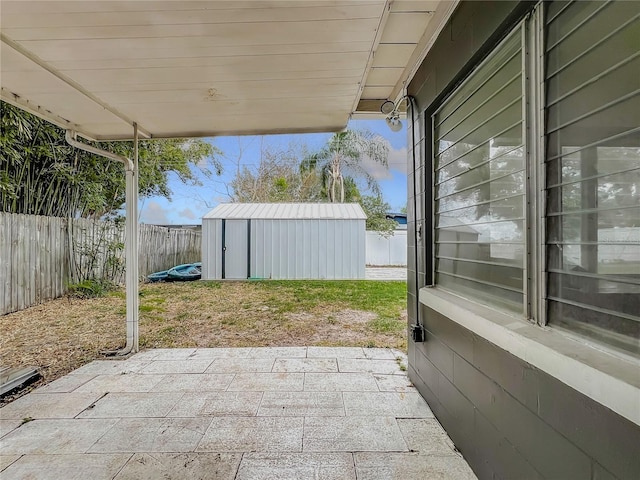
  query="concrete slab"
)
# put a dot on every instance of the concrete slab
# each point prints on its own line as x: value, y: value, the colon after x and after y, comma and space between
x: 6, y: 460
x: 352, y: 434
x: 305, y: 365
x: 69, y: 467
x: 394, y: 383
x: 253, y: 434
x: 298, y: 404
x: 150, y: 354
x: 193, y: 382
x: 401, y: 466
x: 292, y: 466
x: 131, y: 382
x: 7, y: 426
x: 204, y: 353
x: 241, y: 365
x: 374, y: 353
x: 153, y: 435
x: 340, y: 382
x: 335, y: 352
x: 55, y: 436
x: 145, y: 405
x: 426, y: 436
x: 241, y: 418
x: 392, y: 404
x: 386, y: 273
x: 65, y: 384
x: 363, y: 365
x: 267, y: 382
x: 218, y: 404
x: 111, y: 367
x: 48, y: 405
x: 173, y: 353
x: 176, y: 366
x: 278, y: 352
x: 181, y: 466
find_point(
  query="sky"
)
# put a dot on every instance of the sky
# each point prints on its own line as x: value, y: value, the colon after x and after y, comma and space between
x: 189, y: 203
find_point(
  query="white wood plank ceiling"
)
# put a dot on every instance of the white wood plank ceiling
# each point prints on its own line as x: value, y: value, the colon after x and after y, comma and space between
x: 195, y: 68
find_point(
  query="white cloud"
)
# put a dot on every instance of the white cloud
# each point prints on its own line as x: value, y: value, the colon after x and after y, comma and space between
x: 155, y: 214
x: 397, y: 162
x: 187, y: 213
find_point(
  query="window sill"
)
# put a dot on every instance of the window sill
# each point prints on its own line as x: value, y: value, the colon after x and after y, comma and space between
x: 606, y: 378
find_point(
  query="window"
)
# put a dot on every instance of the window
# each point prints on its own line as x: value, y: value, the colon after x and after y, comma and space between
x: 593, y: 170
x: 479, y: 172
x: 488, y: 181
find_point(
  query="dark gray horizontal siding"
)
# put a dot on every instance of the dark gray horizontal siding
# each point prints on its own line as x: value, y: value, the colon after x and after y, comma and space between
x: 496, y: 406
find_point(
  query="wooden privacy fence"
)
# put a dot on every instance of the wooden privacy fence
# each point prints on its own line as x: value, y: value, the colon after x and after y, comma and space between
x: 41, y: 256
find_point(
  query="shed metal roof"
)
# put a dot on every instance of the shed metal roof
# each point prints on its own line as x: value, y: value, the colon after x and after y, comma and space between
x: 281, y: 211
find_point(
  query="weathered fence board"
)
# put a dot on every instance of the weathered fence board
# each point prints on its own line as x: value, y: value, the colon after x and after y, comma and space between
x: 41, y: 256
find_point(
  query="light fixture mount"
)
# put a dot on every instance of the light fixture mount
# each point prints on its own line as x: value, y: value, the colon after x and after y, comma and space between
x: 387, y: 107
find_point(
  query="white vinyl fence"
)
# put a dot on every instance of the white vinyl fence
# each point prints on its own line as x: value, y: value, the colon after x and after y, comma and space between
x: 41, y: 256
x: 386, y: 251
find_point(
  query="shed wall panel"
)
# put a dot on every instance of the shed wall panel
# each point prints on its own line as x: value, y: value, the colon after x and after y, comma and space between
x: 307, y: 249
x: 211, y: 249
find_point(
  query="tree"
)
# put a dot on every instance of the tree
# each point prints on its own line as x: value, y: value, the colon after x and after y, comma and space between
x: 281, y: 176
x: 278, y: 177
x: 343, y: 156
x: 41, y: 174
x: 376, y: 209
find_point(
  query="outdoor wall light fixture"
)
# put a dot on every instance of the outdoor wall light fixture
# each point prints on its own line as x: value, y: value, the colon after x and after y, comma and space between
x: 393, y: 121
x: 390, y: 109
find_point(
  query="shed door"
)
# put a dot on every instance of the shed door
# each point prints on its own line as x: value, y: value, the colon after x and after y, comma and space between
x: 235, y: 249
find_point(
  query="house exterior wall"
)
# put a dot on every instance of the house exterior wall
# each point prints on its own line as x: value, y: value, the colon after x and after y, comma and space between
x: 510, y: 416
x: 512, y: 420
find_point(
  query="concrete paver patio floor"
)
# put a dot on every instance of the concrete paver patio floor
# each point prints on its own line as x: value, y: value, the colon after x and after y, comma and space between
x: 230, y: 413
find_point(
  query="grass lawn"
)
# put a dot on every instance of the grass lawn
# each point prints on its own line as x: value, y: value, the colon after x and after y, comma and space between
x: 61, y: 335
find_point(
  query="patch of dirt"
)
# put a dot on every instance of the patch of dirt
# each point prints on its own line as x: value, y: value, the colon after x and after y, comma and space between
x: 64, y: 334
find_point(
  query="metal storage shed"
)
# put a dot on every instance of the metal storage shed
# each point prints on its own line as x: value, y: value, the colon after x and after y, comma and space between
x: 284, y: 241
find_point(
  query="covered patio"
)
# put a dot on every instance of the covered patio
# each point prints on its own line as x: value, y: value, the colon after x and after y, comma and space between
x: 230, y: 413
x: 143, y: 70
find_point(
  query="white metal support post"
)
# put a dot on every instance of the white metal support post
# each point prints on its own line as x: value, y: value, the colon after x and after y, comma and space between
x: 131, y: 232
x: 131, y: 249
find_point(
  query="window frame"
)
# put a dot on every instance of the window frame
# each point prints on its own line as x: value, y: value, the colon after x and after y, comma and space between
x: 529, y: 271
x: 535, y: 290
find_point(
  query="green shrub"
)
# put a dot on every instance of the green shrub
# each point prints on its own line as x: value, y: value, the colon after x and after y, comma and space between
x: 90, y: 288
